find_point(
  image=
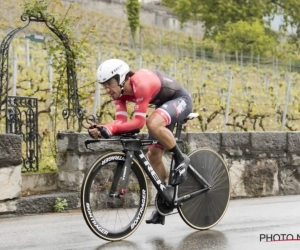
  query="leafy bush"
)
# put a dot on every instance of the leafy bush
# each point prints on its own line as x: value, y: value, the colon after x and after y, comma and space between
x: 60, y: 205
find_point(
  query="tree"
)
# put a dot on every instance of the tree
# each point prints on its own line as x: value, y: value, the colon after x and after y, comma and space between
x: 245, y: 37
x: 133, y: 15
x: 216, y: 13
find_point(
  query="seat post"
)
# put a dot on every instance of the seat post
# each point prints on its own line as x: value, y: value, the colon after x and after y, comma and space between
x: 178, y: 141
x: 178, y: 130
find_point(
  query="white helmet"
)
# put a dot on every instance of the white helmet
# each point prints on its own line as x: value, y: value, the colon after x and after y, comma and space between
x: 110, y: 68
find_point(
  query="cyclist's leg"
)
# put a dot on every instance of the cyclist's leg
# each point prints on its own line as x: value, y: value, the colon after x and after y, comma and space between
x: 155, y: 154
x: 167, y: 114
x: 161, y: 125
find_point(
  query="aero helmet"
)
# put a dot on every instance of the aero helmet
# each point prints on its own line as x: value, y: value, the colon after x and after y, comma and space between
x: 111, y: 68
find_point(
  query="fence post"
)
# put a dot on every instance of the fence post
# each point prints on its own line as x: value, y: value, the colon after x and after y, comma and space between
x: 141, y: 41
x: 194, y: 50
x: 14, y: 73
x: 228, y: 101
x: 50, y: 78
x: 27, y: 58
x: 121, y: 35
x: 141, y: 61
x: 242, y: 71
x: 287, y: 98
x: 97, y: 91
x: 203, y: 54
x: 175, y: 68
x: 189, y: 86
x: 176, y: 48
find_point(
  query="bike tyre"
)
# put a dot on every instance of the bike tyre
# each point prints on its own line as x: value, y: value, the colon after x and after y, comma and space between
x: 206, y: 210
x: 87, y: 211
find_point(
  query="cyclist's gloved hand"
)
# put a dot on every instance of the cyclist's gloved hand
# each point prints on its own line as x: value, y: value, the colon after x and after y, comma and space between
x: 105, y: 132
x: 93, y: 131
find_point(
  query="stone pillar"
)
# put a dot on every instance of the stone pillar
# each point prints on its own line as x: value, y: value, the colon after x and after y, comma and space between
x: 73, y: 158
x: 10, y: 171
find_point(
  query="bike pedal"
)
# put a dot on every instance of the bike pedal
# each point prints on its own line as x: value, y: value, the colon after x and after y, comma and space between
x: 171, y: 214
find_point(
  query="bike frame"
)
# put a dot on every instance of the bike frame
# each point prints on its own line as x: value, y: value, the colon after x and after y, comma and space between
x: 133, y: 148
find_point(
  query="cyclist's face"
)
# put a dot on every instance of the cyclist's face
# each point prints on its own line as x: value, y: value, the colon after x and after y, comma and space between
x: 112, y: 88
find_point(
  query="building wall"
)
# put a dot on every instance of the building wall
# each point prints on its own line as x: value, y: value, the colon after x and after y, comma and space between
x: 150, y: 14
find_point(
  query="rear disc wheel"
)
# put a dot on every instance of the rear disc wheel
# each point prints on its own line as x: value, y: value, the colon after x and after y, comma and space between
x: 206, y: 210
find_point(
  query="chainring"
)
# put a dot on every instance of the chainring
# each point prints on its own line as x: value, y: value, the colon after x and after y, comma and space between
x: 162, y: 207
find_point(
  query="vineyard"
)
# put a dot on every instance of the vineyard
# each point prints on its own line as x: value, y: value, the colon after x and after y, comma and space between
x: 231, y: 93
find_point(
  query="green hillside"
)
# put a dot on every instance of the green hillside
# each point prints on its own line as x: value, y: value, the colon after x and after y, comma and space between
x: 258, y: 86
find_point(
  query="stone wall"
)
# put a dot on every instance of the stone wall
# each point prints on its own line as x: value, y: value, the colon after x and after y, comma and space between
x: 10, y: 171
x: 39, y: 182
x: 260, y: 163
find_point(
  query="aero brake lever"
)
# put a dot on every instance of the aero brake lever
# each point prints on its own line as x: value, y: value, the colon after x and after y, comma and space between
x: 87, y: 142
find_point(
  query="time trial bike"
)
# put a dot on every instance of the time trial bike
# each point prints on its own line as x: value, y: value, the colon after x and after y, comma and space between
x: 115, y: 194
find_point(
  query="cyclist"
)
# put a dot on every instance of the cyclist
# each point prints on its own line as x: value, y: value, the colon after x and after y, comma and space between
x: 173, y: 104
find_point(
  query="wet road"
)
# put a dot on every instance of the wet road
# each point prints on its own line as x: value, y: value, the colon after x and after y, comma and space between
x: 245, y: 226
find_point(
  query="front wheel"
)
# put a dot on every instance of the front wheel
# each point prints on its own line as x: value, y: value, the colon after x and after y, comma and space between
x: 205, y: 210
x: 113, y: 218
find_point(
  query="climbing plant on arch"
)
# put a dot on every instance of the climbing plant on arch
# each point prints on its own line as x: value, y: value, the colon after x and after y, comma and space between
x: 12, y: 107
x: 73, y: 107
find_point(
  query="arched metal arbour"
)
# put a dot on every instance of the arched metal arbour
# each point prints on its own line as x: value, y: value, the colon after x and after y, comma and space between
x: 11, y: 103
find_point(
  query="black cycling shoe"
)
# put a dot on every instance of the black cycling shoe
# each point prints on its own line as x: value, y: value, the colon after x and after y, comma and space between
x: 156, y: 218
x: 180, y: 171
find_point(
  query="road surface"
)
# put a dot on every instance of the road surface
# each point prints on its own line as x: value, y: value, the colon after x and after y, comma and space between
x: 251, y: 224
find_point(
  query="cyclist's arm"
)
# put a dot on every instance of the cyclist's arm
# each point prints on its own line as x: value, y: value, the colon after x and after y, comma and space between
x: 143, y: 91
x: 138, y: 122
x: 121, y: 117
x: 121, y: 113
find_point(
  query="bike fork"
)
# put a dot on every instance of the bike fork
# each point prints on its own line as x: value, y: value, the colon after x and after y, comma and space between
x: 123, y: 173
